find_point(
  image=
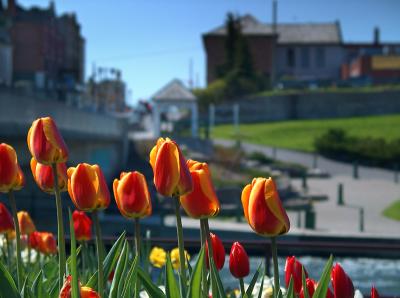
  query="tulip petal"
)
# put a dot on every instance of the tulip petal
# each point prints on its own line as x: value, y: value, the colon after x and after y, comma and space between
x: 53, y: 136
x: 167, y: 169
x: 8, y: 168
x: 245, y: 200
x: 275, y: 205
x: 84, y: 187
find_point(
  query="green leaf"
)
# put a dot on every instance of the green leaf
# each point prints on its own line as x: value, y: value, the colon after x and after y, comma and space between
x: 37, y: 286
x: 109, y: 262
x: 26, y: 291
x: 74, y: 269
x: 171, y: 286
x: 7, y: 284
x: 118, y: 274
x: 290, y: 290
x: 195, y: 279
x: 262, y: 285
x: 69, y: 261
x: 215, y: 278
x: 323, y: 283
x: 249, y: 291
x: 150, y: 288
x: 303, y: 280
x: 131, y: 279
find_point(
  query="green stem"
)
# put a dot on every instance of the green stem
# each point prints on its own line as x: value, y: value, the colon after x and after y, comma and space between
x: 276, y: 269
x: 179, y: 232
x: 17, y: 239
x: 29, y: 253
x: 204, y: 271
x: 242, y: 287
x: 8, y: 251
x: 99, y: 254
x: 137, y: 250
x: 60, y: 229
x: 210, y: 250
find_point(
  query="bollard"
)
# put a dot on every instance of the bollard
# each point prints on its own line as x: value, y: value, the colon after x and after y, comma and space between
x: 396, y: 173
x: 315, y: 160
x: 310, y: 218
x: 355, y: 170
x: 340, y: 200
x: 361, y: 219
x: 304, y: 180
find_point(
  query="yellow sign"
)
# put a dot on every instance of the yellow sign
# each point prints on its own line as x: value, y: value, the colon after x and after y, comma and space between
x: 386, y: 62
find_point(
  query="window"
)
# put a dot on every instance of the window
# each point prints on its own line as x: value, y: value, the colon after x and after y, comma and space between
x: 305, y: 57
x: 320, y: 57
x: 290, y: 57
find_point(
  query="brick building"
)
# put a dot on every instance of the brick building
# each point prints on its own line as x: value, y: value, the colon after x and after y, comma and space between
x: 48, y: 50
x: 305, y: 52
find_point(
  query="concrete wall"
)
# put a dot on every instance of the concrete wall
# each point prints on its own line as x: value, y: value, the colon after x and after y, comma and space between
x: 312, y: 106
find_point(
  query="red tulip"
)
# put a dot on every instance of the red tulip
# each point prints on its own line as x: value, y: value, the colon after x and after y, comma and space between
x: 82, y: 226
x: 374, y: 292
x: 43, y: 175
x: 238, y: 261
x: 171, y: 174
x: 293, y: 268
x: 46, y: 143
x: 132, y: 195
x: 311, y: 286
x: 202, y: 202
x: 342, y: 284
x: 87, y: 187
x: 263, y: 208
x: 43, y: 242
x: 11, y: 176
x: 218, y: 252
x: 6, y: 220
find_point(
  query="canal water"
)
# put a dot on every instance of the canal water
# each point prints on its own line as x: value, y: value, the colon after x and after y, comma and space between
x: 383, y: 273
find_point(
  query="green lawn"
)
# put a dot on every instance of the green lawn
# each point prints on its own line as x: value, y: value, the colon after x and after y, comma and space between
x: 393, y: 211
x: 300, y: 134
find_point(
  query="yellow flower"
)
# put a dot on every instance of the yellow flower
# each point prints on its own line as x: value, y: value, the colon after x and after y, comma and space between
x: 158, y: 257
x: 175, y: 258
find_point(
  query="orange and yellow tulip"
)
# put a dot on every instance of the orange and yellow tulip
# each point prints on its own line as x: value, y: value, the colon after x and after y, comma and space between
x: 263, y: 208
x: 87, y: 187
x: 132, y: 195
x: 43, y: 242
x: 82, y: 226
x: 6, y: 220
x: 202, y: 202
x: 171, y: 174
x: 46, y: 143
x: 26, y: 225
x: 43, y: 175
x: 11, y: 176
x: 85, y: 292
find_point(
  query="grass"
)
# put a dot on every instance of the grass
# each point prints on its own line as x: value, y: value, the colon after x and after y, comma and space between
x: 300, y: 134
x: 393, y: 211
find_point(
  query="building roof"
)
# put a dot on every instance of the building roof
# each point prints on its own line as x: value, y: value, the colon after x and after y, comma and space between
x: 290, y: 33
x: 174, y: 91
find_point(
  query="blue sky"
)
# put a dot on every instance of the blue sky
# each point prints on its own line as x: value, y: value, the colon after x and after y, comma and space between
x: 153, y: 41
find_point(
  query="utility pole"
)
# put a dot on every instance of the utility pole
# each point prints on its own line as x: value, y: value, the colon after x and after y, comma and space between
x: 275, y: 39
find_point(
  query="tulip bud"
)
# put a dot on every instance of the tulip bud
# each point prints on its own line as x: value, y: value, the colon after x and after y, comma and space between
x: 34, y: 240
x: 311, y: 286
x: 87, y: 187
x: 43, y: 175
x: 293, y: 268
x: 82, y: 226
x: 11, y: 176
x: 26, y: 225
x: 132, y: 195
x: 374, y: 292
x: 342, y: 284
x: 46, y: 143
x: 47, y: 243
x: 218, y: 252
x: 6, y: 220
x: 202, y: 202
x: 263, y: 208
x: 238, y: 261
x: 171, y: 174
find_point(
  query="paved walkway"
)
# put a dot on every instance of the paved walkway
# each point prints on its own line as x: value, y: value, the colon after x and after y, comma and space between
x: 307, y: 159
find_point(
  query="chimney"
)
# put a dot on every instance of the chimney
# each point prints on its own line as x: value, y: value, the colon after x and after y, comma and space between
x: 376, y: 35
x: 274, y: 15
x: 11, y: 7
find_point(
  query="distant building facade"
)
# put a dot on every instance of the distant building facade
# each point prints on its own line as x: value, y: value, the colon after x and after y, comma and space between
x: 48, y: 50
x: 6, y: 61
x: 302, y: 52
